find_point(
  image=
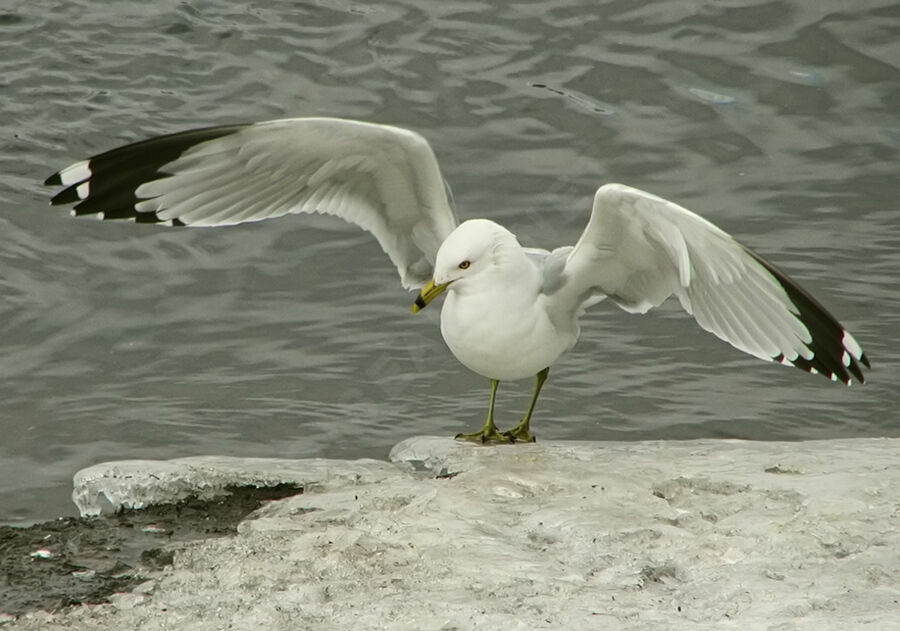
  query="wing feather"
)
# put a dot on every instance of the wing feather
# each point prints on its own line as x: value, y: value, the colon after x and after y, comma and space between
x: 384, y: 179
x: 640, y: 249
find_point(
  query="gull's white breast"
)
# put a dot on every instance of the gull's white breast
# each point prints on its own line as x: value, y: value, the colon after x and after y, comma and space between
x: 502, y: 335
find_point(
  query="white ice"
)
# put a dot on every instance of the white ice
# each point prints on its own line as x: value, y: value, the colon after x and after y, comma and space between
x: 141, y: 483
x: 556, y: 535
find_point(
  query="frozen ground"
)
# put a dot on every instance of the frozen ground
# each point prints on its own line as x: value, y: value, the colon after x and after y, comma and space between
x: 654, y: 535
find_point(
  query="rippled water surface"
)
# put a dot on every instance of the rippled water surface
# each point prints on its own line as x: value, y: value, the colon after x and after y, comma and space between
x: 778, y: 120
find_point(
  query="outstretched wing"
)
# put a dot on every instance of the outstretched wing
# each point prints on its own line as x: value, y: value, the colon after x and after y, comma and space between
x: 384, y: 179
x: 639, y: 249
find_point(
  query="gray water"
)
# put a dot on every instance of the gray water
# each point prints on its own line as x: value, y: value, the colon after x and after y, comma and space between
x: 777, y: 120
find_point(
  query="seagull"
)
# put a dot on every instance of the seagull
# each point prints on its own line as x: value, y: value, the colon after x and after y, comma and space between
x: 510, y: 312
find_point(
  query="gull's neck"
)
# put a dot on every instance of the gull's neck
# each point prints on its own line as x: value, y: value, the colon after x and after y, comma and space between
x: 511, y: 277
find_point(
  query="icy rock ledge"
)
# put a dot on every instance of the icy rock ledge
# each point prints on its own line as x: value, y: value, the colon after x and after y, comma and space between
x: 637, y: 536
x: 142, y: 483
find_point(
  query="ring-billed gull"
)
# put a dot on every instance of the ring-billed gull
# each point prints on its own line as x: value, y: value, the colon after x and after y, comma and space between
x: 510, y: 312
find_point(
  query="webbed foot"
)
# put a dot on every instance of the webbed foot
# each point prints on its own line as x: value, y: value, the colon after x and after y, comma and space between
x: 520, y: 434
x: 488, y: 436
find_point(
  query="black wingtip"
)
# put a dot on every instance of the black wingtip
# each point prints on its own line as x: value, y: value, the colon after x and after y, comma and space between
x: 65, y: 196
x: 106, y: 184
x: 854, y: 368
x: 835, y: 353
x: 865, y: 360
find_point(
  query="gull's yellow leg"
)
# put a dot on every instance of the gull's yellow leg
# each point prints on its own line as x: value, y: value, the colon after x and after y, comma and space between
x: 522, y: 431
x: 488, y: 433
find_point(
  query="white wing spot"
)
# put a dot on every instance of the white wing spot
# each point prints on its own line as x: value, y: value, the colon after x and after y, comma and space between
x: 851, y: 345
x: 77, y: 172
x: 83, y: 190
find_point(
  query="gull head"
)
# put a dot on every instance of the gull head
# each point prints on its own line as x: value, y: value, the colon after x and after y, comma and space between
x: 473, y: 250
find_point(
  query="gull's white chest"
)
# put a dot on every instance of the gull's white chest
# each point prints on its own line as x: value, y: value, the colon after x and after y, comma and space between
x: 501, y: 336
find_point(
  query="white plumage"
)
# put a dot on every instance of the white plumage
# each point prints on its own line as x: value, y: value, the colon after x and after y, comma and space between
x: 510, y: 312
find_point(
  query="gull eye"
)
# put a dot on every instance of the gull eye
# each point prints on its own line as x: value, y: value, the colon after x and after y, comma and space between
x: 464, y: 265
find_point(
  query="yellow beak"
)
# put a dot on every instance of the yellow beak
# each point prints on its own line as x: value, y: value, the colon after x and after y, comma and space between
x: 429, y: 292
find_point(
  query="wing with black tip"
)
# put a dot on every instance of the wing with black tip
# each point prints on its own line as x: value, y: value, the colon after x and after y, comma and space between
x: 639, y: 249
x: 384, y: 179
